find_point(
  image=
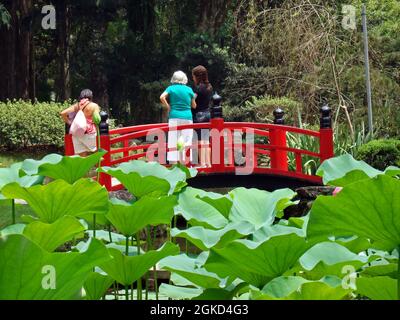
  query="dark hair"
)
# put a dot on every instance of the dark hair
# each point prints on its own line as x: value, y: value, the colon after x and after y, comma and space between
x: 86, y: 94
x: 201, y: 75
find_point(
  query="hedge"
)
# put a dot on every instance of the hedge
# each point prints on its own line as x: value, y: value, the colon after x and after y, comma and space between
x: 24, y: 124
x: 380, y: 154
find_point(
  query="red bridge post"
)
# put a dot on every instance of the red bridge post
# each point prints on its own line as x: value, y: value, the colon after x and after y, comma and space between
x: 326, y: 134
x: 279, y: 160
x: 105, y: 144
x: 68, y: 144
x: 217, y: 135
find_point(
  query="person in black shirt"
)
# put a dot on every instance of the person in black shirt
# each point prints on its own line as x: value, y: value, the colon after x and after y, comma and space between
x: 203, y: 93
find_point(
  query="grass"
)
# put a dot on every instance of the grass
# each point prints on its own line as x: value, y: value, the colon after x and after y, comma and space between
x: 7, y: 157
x: 5, y: 212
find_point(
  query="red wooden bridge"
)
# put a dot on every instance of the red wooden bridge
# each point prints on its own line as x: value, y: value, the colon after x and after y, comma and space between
x: 262, y: 148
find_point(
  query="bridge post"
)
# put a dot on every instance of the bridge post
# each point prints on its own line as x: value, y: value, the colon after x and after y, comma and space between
x: 279, y: 159
x: 68, y: 143
x: 217, y: 135
x: 326, y: 147
x: 105, y: 179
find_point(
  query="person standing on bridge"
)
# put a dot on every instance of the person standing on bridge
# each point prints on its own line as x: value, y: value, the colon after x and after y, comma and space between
x: 203, y: 91
x: 85, y: 144
x: 178, y: 99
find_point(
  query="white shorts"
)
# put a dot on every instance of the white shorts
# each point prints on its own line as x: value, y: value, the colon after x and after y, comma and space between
x: 86, y: 143
x: 173, y: 137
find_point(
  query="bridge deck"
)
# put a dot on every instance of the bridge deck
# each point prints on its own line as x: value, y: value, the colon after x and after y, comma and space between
x: 264, y: 149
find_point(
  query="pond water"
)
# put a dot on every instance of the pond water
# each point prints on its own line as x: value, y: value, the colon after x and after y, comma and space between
x: 7, y: 158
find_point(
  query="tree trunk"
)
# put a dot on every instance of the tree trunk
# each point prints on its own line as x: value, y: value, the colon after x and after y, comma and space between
x: 212, y: 14
x: 23, y: 27
x: 8, y: 88
x: 63, y: 28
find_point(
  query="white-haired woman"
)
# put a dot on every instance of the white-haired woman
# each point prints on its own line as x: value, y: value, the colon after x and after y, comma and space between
x: 179, y: 99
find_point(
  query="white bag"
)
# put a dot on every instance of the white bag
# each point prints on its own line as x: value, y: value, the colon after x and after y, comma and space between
x: 79, y: 125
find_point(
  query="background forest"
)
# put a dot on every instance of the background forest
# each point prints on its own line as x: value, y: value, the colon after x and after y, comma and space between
x: 261, y: 54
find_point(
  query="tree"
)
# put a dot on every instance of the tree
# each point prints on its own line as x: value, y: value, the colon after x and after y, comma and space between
x: 212, y: 14
x: 18, y: 52
x: 63, y: 40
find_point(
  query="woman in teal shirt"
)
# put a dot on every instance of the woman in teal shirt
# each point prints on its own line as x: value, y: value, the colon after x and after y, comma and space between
x: 178, y: 98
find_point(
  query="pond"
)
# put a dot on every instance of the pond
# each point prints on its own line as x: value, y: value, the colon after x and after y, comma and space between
x: 7, y: 157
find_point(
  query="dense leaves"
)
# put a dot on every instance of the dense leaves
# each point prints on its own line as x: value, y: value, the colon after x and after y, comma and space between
x: 347, y: 247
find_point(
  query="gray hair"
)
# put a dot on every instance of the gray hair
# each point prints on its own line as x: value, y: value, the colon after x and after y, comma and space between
x: 179, y: 77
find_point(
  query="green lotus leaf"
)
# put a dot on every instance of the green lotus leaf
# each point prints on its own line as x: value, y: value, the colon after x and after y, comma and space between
x: 392, y: 171
x: 298, y: 222
x: 205, y: 239
x: 190, y: 172
x: 12, y: 229
x: 51, y: 236
x: 354, y: 244
x: 198, y: 212
x: 131, y: 218
x: 368, y: 209
x: 179, y: 293
x: 279, y: 288
x: 344, y: 170
x: 377, y: 288
x: 329, y: 258
x: 257, y: 263
x: 132, y: 249
x: 380, y: 268
x: 268, y: 231
x: 26, y: 218
x: 220, y: 202
x: 127, y: 270
x: 147, y: 178
x: 190, y: 269
x: 28, y: 272
x: 59, y: 198
x: 69, y: 169
x: 257, y: 206
x: 297, y: 288
x: 11, y: 175
x: 96, y: 285
x: 329, y: 253
x: 215, y: 294
x: 105, y: 236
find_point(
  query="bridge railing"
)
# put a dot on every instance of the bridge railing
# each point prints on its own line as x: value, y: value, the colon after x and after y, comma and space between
x: 236, y: 147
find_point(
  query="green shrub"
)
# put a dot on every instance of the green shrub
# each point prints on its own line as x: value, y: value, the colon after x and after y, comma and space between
x: 380, y: 154
x: 260, y: 109
x: 24, y: 124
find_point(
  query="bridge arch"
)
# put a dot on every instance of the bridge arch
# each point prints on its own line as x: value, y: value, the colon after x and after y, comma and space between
x: 265, y: 153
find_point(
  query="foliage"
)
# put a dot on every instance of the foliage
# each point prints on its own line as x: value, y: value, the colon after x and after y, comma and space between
x: 23, y: 262
x: 380, y: 153
x: 4, y: 16
x: 260, y: 109
x: 55, y: 166
x: 23, y: 124
x: 300, y: 49
x: 58, y: 198
x: 143, y: 179
x: 373, y: 215
x: 245, y: 249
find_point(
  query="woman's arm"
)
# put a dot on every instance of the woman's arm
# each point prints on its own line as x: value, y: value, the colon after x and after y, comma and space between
x: 194, y: 104
x: 64, y: 114
x: 164, y: 101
